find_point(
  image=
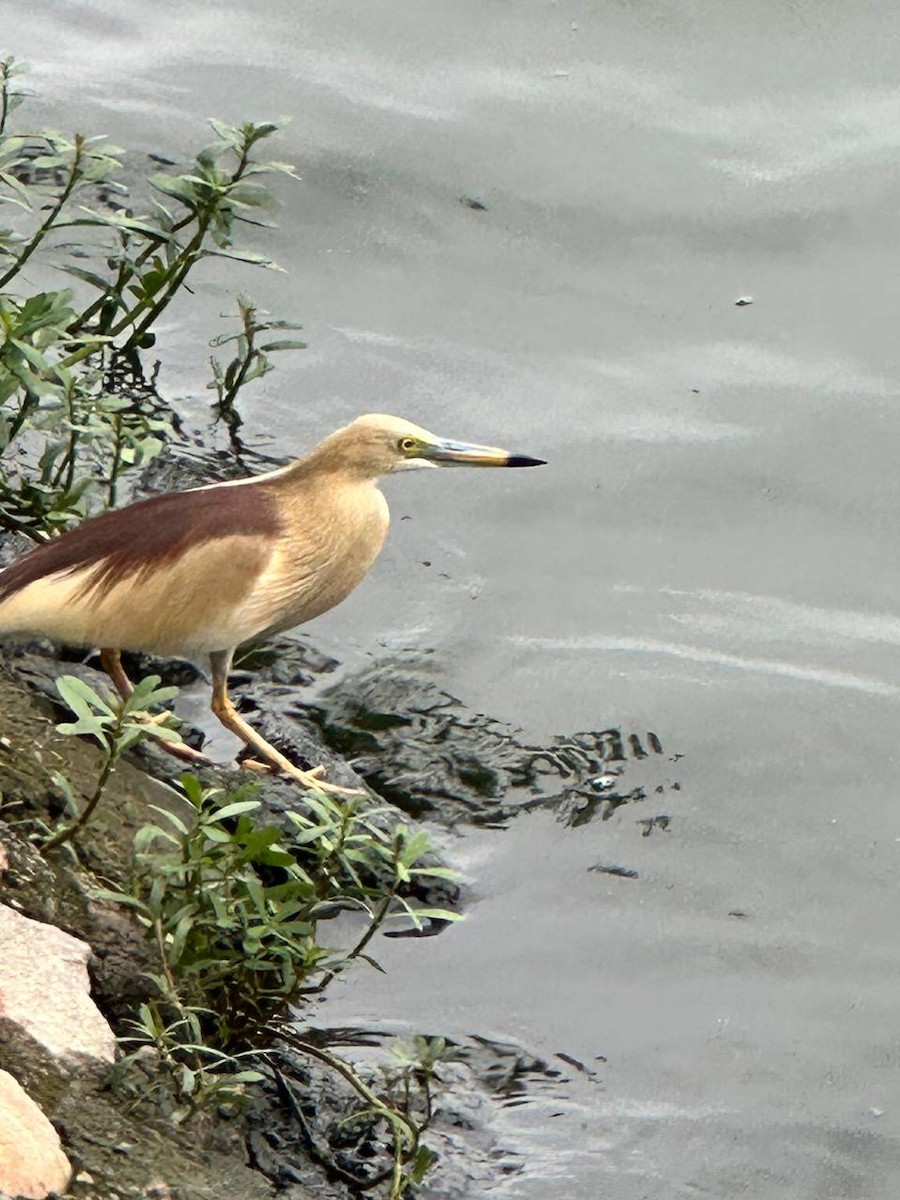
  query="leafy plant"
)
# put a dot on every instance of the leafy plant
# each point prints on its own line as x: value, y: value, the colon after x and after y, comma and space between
x: 403, y: 1102
x: 235, y: 905
x: 116, y: 725
x: 251, y: 360
x: 235, y: 908
x: 184, y: 1074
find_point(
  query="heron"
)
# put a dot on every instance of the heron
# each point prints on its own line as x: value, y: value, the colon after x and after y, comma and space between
x: 203, y: 571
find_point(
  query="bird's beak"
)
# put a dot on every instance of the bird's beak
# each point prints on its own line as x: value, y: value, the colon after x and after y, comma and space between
x: 465, y: 454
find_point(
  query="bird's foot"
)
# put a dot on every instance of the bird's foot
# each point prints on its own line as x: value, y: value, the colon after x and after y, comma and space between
x: 313, y: 780
x: 185, y: 752
x: 309, y: 779
x: 177, y: 749
x: 149, y: 718
x: 254, y: 764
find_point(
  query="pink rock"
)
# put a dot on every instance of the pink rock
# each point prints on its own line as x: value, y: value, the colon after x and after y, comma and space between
x: 32, y: 1162
x: 45, y: 990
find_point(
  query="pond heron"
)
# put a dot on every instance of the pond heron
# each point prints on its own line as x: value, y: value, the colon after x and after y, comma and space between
x: 205, y: 570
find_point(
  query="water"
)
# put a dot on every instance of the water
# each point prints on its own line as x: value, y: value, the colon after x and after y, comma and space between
x: 710, y: 553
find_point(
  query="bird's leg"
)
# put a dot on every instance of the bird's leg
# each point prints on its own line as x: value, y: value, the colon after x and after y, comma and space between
x: 224, y: 709
x: 111, y: 662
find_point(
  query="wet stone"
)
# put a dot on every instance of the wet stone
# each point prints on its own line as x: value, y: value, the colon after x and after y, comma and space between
x: 420, y: 748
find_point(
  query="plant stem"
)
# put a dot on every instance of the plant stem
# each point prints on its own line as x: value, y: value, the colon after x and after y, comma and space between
x: 4, y: 97
x: 191, y: 252
x: 116, y: 461
x: 46, y: 226
x: 68, y: 832
x: 176, y: 278
x: 28, y: 405
x: 346, y: 1071
x: 173, y: 996
x: 225, y: 409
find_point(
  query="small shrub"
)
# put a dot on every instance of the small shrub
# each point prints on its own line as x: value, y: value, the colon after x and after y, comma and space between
x: 235, y: 906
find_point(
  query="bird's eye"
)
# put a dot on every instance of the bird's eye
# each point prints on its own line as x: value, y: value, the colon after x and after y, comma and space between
x: 407, y: 444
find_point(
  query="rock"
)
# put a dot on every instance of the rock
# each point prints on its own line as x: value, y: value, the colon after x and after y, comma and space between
x: 423, y: 750
x: 32, y: 1162
x: 45, y: 990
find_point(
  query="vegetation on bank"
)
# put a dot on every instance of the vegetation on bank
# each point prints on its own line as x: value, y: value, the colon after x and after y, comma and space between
x: 235, y: 907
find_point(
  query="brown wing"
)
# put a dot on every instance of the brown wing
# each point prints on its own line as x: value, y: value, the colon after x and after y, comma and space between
x: 151, y: 533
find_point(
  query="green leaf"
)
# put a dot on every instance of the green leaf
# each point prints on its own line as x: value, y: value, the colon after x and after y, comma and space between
x: 193, y: 788
x: 90, y: 277
x: 172, y: 818
x: 177, y: 186
x: 233, y: 810
x: 148, y: 693
x: 413, y: 847
x: 438, y: 873
x: 141, y: 731
x: 228, y: 133
x: 418, y: 915
x: 285, y: 344
x: 81, y: 698
x: 60, y: 781
x: 245, y: 1077
x: 125, y: 899
x: 217, y: 835
x: 247, y: 256
x: 118, y: 220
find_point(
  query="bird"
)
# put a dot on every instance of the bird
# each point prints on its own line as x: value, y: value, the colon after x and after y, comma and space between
x: 205, y: 570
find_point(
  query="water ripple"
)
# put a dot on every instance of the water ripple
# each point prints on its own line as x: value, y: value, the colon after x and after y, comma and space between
x: 799, y: 672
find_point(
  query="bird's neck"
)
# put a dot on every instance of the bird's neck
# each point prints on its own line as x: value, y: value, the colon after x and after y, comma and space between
x: 331, y: 498
x: 322, y: 469
x: 335, y: 522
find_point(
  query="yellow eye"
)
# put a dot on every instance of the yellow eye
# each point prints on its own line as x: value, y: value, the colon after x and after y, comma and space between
x: 407, y: 445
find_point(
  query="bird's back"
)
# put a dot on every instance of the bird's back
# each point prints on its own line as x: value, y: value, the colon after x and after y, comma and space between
x: 144, y: 536
x: 147, y: 576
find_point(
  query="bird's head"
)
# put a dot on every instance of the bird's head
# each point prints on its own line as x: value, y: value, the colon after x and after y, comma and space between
x: 377, y: 444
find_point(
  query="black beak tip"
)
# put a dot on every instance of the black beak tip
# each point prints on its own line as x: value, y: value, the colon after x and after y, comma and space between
x: 522, y: 460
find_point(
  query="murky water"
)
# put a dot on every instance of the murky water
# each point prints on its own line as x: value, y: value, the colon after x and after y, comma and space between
x: 711, y: 552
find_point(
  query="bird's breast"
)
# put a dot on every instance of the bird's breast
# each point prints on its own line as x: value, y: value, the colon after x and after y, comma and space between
x: 325, y: 551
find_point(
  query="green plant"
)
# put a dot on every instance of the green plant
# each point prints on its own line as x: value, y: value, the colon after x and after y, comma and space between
x: 185, y: 1074
x: 251, y: 361
x: 235, y: 905
x: 235, y: 908
x: 116, y: 725
x: 76, y: 410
